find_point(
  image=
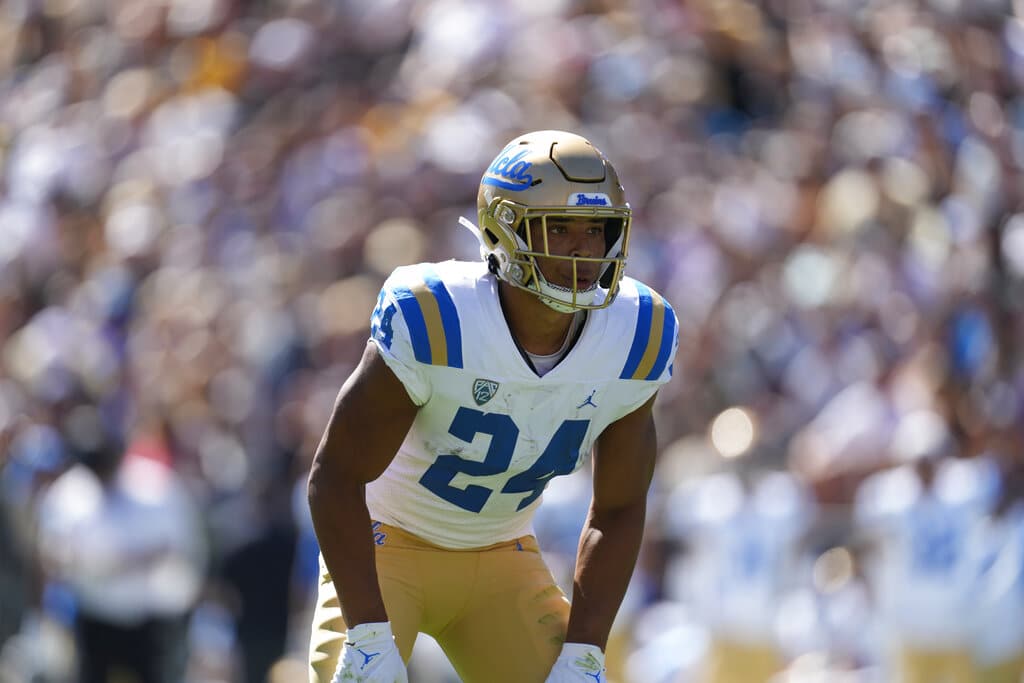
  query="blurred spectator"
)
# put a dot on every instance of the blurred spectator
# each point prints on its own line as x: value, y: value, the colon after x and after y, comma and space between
x: 927, y: 518
x: 13, y: 582
x: 121, y: 532
x: 745, y: 531
x: 15, y: 576
x: 260, y: 572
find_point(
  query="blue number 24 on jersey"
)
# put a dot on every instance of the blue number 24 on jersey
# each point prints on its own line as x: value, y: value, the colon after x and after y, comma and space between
x: 559, y: 457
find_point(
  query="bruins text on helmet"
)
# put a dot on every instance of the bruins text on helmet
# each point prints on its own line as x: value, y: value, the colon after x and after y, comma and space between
x: 548, y: 174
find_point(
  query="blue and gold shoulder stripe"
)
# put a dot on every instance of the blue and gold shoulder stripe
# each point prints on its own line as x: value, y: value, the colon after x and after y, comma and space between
x: 653, y: 338
x: 432, y: 320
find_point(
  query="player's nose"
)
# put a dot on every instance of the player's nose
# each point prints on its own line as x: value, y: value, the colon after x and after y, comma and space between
x: 582, y: 246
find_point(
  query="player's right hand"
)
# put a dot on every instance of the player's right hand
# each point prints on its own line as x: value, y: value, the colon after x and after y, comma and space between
x: 578, y: 663
x: 371, y: 656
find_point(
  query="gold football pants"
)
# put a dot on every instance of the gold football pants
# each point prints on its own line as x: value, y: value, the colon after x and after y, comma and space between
x: 496, y: 611
x: 1009, y: 671
x: 919, y: 665
x: 736, y: 662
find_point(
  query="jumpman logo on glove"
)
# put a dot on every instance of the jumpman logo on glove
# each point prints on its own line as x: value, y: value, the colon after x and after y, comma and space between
x: 371, y: 656
x: 367, y: 657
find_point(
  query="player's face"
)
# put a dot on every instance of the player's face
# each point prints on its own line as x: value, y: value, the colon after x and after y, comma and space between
x: 569, y: 236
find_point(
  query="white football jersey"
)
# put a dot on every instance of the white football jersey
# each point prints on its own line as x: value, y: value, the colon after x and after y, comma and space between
x: 490, y: 433
x: 745, y: 551
x: 926, y: 575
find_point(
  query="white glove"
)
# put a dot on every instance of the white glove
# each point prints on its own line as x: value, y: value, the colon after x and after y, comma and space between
x: 578, y: 663
x: 371, y: 656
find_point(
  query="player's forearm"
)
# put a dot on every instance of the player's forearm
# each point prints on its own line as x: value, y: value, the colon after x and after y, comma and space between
x: 607, y: 555
x: 342, y: 524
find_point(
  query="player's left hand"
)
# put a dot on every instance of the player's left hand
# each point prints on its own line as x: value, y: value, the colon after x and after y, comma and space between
x: 371, y: 656
x: 578, y: 663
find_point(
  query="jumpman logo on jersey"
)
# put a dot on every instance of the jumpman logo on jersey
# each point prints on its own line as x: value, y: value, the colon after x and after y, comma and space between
x: 367, y: 657
x: 589, y: 401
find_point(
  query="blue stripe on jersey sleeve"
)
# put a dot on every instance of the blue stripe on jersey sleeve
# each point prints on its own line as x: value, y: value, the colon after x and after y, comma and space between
x: 641, y: 334
x: 668, y: 333
x: 415, y: 322
x: 449, y: 317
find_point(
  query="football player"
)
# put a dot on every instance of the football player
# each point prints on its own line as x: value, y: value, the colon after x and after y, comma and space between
x: 924, y: 518
x: 480, y: 382
x: 746, y: 528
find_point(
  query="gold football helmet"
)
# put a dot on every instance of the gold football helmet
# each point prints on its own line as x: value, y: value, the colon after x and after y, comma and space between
x: 537, y: 176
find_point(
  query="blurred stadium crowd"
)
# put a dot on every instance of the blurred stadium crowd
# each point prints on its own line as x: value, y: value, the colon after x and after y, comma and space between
x: 200, y: 198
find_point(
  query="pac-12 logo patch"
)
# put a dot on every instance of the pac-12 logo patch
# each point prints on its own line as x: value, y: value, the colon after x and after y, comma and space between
x: 484, y: 390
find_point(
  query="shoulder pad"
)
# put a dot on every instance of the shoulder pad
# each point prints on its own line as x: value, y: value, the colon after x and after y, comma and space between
x: 428, y: 311
x: 655, y: 336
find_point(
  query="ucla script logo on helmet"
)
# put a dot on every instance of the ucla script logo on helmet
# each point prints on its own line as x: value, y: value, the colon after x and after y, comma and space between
x: 484, y: 390
x: 509, y: 171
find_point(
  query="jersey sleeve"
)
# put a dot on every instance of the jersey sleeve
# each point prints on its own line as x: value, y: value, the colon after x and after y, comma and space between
x: 389, y: 331
x: 416, y: 327
x: 652, y: 349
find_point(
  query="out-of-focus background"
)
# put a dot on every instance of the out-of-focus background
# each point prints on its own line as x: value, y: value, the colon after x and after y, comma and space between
x: 199, y: 200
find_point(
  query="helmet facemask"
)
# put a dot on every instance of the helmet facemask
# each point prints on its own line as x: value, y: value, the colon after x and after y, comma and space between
x: 523, y: 269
